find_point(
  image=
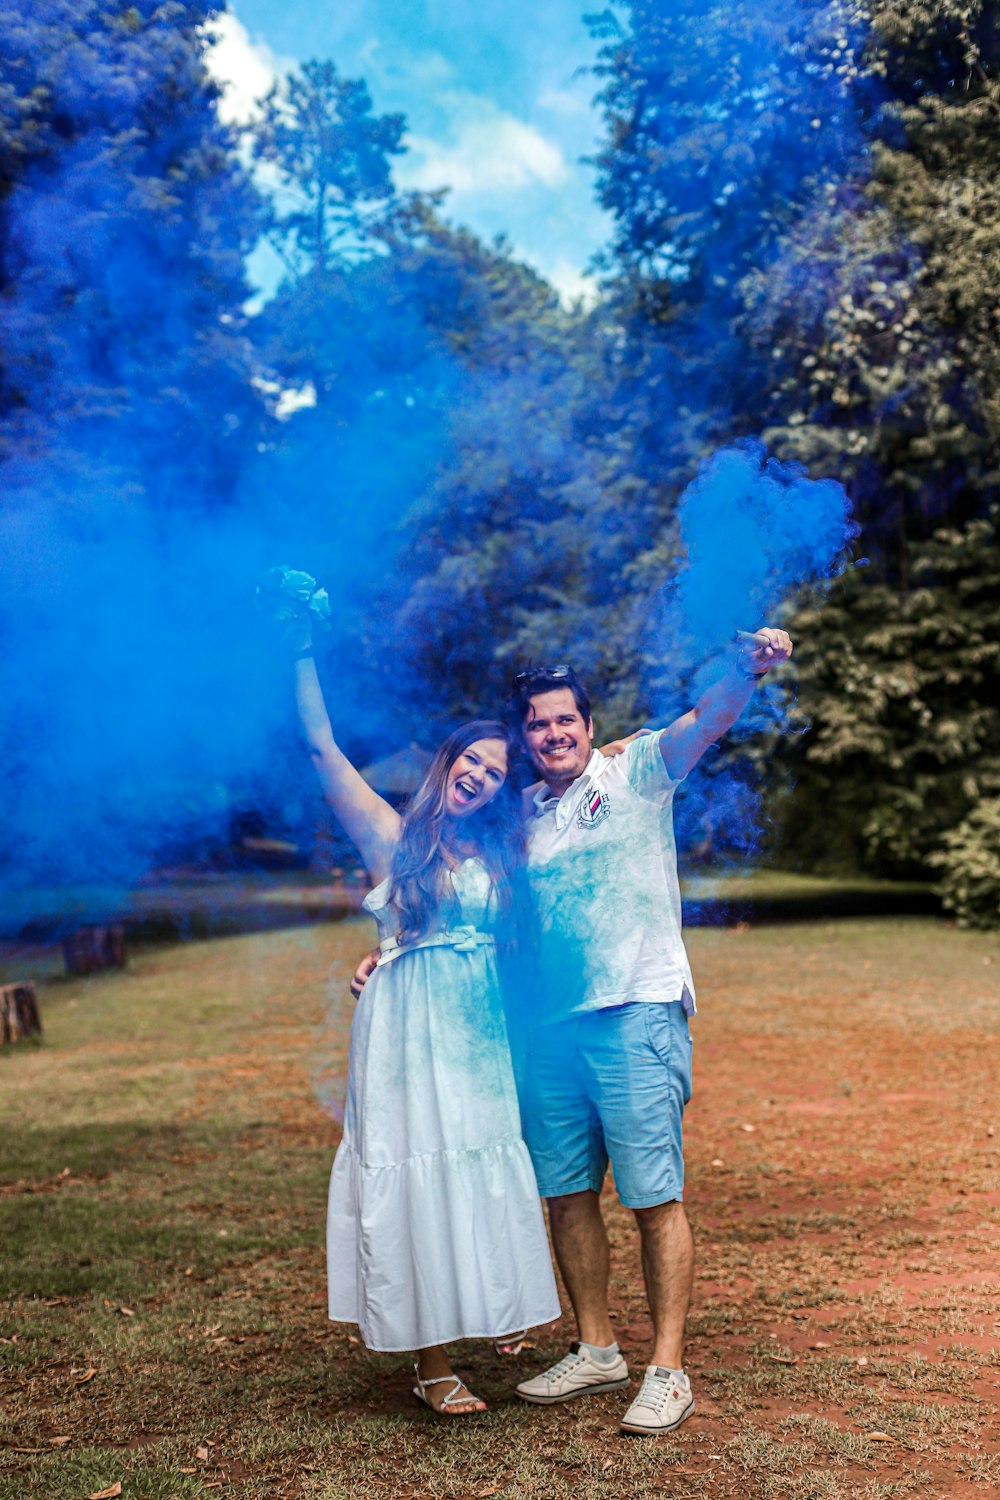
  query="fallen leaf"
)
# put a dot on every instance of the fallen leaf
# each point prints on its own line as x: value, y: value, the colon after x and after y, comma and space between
x: 214, y: 1329
x: 491, y: 1491
x: 55, y: 1302
x: 717, y: 1161
x: 108, y: 1494
x: 87, y: 1375
x: 60, y: 1442
x: 783, y: 1359
x: 880, y: 1437
x: 863, y: 1360
x: 819, y: 1344
x: 29, y: 1450
x: 748, y: 1128
x: 187, y: 1471
x: 202, y: 1454
x: 126, y: 1312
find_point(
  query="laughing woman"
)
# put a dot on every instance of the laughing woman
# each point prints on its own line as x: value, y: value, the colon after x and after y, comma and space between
x: 435, y: 1229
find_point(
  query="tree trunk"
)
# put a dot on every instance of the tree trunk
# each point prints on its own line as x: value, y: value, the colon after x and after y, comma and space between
x: 19, y: 1012
x: 94, y: 948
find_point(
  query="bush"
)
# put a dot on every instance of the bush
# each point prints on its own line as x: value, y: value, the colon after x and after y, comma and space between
x: 970, y: 861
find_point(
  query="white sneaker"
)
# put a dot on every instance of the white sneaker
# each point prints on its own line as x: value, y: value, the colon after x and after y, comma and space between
x: 578, y: 1373
x: 663, y: 1402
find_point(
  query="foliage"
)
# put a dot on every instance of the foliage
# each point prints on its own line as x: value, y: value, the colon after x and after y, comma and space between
x: 124, y: 223
x: 900, y: 698
x: 331, y: 156
x: 454, y: 434
x: 970, y: 867
x: 880, y: 316
x: 807, y: 239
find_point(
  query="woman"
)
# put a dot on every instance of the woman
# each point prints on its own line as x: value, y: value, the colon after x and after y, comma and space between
x: 435, y: 1229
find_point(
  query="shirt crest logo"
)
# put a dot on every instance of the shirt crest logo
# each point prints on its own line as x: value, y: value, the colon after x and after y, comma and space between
x: 595, y: 807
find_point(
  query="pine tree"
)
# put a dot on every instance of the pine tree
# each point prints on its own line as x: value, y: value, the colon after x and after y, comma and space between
x: 125, y: 225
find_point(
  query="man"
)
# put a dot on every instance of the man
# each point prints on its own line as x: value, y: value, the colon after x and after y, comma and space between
x: 608, y: 1070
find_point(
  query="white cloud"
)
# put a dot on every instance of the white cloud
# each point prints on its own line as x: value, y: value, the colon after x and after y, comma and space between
x: 571, y: 103
x: 246, y: 69
x: 572, y: 284
x: 491, y: 151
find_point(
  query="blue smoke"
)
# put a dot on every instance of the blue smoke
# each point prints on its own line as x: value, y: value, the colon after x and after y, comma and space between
x: 754, y: 531
x: 147, y: 485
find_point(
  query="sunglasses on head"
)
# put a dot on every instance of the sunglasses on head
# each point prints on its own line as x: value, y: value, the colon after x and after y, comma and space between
x: 540, y: 674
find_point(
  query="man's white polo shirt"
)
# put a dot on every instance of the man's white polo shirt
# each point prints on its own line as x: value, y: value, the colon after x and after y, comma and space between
x: 603, y: 869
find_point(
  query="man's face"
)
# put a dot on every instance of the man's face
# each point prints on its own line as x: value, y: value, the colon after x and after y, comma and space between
x: 558, y: 738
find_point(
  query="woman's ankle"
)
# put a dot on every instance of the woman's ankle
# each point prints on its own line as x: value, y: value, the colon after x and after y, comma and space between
x: 433, y: 1363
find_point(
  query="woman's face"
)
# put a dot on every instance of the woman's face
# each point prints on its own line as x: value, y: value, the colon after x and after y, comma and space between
x: 474, y: 777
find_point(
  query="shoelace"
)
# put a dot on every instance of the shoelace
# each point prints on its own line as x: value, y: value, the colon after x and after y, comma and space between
x: 656, y: 1392
x: 568, y: 1362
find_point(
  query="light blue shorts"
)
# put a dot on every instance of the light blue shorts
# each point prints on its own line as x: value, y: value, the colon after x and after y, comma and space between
x: 610, y: 1083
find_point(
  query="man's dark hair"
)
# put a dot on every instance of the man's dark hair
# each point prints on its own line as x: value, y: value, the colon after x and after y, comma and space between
x: 543, y: 679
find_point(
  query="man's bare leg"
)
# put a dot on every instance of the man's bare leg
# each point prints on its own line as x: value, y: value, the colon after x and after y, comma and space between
x: 584, y: 1258
x: 668, y: 1266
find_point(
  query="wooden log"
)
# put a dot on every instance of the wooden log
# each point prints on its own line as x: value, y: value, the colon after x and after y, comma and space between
x: 19, y: 1014
x: 94, y: 948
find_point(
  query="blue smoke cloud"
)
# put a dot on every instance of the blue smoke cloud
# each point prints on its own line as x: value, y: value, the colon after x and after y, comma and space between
x: 150, y: 488
x: 753, y: 531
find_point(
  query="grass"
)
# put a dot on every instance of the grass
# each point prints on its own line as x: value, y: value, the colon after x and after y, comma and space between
x: 162, y: 1184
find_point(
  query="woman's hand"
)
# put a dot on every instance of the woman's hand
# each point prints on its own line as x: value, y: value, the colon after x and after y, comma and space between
x: 363, y: 972
x: 294, y: 606
x: 615, y: 747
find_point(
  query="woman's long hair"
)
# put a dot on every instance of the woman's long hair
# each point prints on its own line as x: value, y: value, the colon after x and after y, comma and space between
x: 419, y: 884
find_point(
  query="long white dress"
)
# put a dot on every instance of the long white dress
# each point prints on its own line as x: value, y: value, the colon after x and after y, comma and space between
x: 434, y: 1228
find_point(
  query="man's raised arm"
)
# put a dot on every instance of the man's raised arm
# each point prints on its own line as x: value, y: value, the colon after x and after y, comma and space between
x: 685, y: 741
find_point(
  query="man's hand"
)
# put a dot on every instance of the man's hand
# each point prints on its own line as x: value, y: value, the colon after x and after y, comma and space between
x: 761, y: 650
x: 361, y: 974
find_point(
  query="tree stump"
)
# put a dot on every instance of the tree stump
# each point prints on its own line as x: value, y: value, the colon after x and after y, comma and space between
x: 94, y: 948
x: 19, y: 1014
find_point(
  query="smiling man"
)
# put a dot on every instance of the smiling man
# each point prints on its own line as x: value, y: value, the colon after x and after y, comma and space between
x: 608, y: 1067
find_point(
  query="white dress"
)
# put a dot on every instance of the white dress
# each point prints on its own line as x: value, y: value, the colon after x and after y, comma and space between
x: 435, y: 1228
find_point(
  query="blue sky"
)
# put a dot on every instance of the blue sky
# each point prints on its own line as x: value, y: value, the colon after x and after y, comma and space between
x: 497, y: 104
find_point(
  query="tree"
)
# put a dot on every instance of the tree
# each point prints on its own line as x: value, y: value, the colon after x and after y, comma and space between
x: 880, y: 319
x: 124, y: 226
x: 899, y: 704
x: 806, y: 240
x: 331, y: 156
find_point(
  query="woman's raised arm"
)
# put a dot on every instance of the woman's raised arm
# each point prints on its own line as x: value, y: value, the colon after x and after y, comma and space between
x: 366, y: 817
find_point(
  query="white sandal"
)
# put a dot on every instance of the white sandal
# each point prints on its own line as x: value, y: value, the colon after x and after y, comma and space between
x: 451, y: 1397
